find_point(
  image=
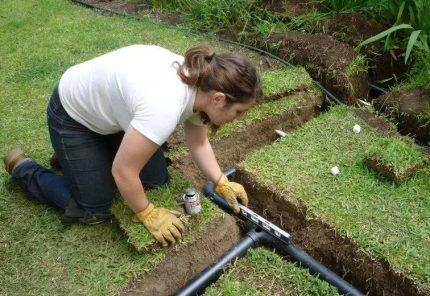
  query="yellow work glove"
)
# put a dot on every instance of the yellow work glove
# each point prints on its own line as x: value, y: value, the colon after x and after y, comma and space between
x: 232, y: 192
x: 162, y: 223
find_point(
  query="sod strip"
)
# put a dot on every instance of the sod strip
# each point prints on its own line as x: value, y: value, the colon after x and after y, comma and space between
x: 39, y: 40
x: 262, y: 272
x: 387, y: 221
x: 275, y: 83
x: 395, y: 157
x: 168, y: 196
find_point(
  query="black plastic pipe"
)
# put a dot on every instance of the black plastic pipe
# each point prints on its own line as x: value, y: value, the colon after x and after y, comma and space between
x: 377, y: 88
x: 295, y: 252
x: 211, y: 273
x: 316, y: 268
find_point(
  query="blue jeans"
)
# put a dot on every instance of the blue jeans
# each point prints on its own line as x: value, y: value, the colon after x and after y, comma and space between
x: 86, y: 160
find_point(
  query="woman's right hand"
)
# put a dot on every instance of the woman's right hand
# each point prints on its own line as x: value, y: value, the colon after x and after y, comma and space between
x: 163, y: 224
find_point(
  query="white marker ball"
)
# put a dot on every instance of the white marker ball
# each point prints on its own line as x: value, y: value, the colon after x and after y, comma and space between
x: 335, y: 171
x: 356, y: 129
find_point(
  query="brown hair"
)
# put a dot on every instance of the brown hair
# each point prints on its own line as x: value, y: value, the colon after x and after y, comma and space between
x: 230, y: 73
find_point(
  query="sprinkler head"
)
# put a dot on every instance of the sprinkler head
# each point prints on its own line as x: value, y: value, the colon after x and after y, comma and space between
x: 356, y: 129
x: 334, y: 171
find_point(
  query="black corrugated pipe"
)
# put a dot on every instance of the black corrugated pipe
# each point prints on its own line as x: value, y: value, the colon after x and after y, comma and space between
x: 211, y: 273
x: 287, y: 246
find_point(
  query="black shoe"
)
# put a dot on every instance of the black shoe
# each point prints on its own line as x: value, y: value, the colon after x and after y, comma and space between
x: 75, y: 214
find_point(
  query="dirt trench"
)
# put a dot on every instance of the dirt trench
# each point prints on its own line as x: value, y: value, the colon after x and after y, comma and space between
x: 405, y: 107
x: 183, y: 264
x: 366, y: 273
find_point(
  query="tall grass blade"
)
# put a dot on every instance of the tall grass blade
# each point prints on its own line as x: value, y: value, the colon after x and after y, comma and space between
x: 400, y: 13
x: 411, y: 43
x: 385, y: 33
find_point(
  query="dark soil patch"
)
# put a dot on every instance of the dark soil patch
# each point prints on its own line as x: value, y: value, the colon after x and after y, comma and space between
x: 352, y: 28
x: 232, y: 148
x: 297, y: 7
x: 183, y: 264
x: 405, y: 106
x: 322, y: 242
x: 381, y: 125
x: 326, y: 59
x: 389, y: 172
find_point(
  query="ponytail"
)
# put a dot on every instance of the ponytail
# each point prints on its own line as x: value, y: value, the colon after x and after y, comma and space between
x: 230, y: 73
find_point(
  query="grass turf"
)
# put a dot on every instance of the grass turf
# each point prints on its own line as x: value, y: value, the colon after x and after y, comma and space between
x: 398, y: 155
x: 386, y: 220
x: 39, y: 40
x: 262, y: 272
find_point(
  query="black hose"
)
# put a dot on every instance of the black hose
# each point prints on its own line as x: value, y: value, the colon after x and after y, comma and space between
x: 211, y: 273
x: 377, y: 88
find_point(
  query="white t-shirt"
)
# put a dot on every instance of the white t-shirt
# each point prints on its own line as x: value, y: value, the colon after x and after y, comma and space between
x: 135, y: 85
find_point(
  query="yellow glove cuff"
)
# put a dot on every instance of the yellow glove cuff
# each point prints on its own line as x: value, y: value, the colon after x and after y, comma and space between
x: 142, y: 214
x: 222, y: 181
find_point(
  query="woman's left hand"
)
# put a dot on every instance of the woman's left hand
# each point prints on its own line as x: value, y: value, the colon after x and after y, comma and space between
x: 232, y: 192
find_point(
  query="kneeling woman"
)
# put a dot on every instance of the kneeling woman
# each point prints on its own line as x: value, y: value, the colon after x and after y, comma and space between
x: 108, y: 117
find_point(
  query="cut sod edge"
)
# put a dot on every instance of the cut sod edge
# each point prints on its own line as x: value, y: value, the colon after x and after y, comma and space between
x: 324, y: 243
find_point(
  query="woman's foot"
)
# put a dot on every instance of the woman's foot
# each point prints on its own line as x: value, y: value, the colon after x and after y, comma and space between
x: 13, y: 158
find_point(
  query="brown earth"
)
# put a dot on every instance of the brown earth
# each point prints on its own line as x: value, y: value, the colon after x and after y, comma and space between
x: 326, y: 59
x: 404, y: 106
x: 183, y: 264
x: 291, y: 7
x: 379, y: 124
x: 353, y: 28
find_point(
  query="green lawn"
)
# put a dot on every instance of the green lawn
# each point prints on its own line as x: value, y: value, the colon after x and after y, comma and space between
x: 387, y: 220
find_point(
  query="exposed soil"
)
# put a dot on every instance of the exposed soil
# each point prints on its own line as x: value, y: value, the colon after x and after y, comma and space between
x: 405, y: 106
x: 354, y: 28
x: 322, y: 242
x: 298, y: 7
x: 381, y: 125
x: 389, y: 172
x: 326, y: 59
x: 183, y: 264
